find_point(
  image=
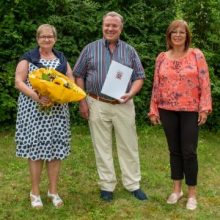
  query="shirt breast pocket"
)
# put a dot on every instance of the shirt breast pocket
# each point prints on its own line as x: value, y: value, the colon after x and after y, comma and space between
x: 92, y: 63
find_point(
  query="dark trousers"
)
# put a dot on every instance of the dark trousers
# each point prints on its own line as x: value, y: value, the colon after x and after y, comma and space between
x: 181, y: 130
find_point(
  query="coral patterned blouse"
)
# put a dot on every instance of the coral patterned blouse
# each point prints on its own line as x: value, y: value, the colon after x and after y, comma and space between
x: 182, y: 84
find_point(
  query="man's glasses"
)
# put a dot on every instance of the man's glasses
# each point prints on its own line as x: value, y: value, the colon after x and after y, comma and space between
x: 46, y: 37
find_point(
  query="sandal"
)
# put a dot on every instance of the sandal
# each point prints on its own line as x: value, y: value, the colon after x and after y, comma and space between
x: 191, y: 203
x: 36, y: 201
x: 56, y: 200
x: 174, y: 197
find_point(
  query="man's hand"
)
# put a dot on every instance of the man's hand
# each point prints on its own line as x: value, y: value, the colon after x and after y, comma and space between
x: 125, y: 97
x: 135, y: 88
x: 84, y: 109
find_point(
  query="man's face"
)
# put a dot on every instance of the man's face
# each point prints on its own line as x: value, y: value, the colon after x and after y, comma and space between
x: 111, y: 28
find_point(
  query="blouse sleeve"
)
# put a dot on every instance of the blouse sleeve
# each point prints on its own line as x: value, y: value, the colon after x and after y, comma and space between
x: 155, y: 89
x: 205, y: 103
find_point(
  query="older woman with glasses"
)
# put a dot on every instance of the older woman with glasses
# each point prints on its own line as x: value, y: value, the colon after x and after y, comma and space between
x: 42, y: 136
x: 181, y: 101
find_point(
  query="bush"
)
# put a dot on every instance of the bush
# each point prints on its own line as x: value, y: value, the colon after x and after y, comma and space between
x: 79, y: 22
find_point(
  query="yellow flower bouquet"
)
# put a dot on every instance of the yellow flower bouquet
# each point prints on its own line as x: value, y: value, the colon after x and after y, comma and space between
x: 55, y: 85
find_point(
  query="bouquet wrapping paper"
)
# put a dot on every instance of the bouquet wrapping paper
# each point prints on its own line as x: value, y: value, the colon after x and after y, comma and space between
x: 55, y: 85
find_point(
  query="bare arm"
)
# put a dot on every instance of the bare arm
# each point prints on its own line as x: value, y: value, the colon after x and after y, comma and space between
x: 69, y: 72
x: 83, y: 106
x: 20, y: 78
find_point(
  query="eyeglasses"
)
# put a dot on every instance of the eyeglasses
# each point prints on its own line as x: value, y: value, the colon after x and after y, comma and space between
x: 46, y: 37
x: 178, y: 33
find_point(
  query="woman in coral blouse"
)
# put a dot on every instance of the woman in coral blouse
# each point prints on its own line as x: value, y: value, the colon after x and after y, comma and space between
x: 181, y: 101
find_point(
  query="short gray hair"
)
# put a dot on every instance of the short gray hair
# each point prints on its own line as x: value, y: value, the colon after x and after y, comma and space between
x: 114, y: 14
x: 39, y: 29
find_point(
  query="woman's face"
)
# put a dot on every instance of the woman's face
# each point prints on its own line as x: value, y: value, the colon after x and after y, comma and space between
x: 46, y: 39
x: 178, y: 36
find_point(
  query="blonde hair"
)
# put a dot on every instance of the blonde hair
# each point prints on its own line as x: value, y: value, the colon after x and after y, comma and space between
x: 41, y: 27
x: 173, y: 25
x: 114, y: 14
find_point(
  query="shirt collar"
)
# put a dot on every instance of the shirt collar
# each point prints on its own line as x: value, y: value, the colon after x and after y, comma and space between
x: 106, y: 43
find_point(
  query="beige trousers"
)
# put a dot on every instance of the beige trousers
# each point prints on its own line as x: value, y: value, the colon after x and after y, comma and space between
x: 103, y: 118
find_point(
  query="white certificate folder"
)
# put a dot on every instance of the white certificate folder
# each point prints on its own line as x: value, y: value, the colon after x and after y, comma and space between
x: 117, y: 80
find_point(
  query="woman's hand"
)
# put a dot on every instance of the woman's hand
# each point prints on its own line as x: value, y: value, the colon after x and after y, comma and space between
x: 202, y: 117
x: 45, y: 101
x: 155, y: 120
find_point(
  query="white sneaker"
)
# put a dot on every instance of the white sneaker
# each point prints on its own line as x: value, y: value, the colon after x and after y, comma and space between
x: 174, y: 197
x: 191, y: 203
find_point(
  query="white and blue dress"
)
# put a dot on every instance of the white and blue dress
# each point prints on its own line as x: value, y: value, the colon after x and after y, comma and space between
x: 42, y: 135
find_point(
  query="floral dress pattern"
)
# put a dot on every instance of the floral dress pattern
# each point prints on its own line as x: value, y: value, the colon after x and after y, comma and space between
x: 182, y: 84
x: 42, y: 135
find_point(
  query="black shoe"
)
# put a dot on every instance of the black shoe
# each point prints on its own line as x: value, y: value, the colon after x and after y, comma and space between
x: 139, y: 194
x: 106, y: 195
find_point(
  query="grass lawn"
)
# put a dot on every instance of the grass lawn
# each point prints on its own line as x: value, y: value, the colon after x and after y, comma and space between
x: 79, y: 190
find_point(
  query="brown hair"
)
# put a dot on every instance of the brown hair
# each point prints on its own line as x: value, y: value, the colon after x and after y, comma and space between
x: 114, y: 14
x: 173, y: 25
x: 39, y: 30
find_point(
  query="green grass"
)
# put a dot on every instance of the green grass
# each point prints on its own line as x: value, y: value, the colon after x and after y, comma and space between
x: 78, y: 182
